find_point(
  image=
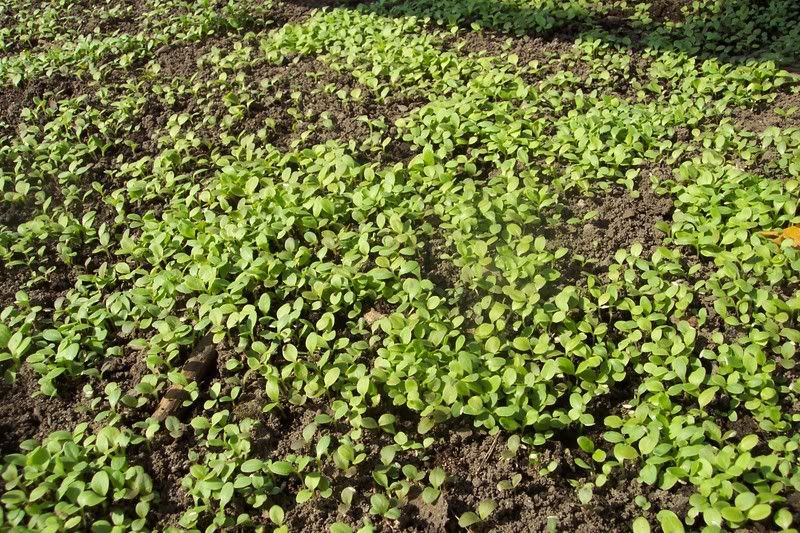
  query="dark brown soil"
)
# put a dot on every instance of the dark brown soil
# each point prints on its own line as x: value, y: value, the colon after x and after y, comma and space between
x: 88, y: 17
x: 527, y: 48
x: 11, y: 281
x: 127, y: 370
x: 668, y: 10
x: 26, y: 415
x: 474, y: 462
x: 475, y: 465
x: 14, y: 99
x: 166, y: 460
x: 765, y: 116
x: 152, y: 118
x: 620, y: 221
x: 43, y: 293
x: 324, y: 115
x: 436, y: 262
x: 180, y: 60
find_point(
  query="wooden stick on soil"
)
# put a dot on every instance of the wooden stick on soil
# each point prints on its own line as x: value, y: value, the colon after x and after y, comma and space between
x: 194, y: 369
x: 491, y: 450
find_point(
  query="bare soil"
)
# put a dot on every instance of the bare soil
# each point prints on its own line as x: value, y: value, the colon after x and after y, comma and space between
x: 619, y: 220
x: 25, y: 414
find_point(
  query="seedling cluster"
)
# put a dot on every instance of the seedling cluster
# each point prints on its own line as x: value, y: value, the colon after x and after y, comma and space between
x: 381, y: 215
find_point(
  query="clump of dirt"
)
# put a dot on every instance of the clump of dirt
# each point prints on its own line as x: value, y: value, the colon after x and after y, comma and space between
x: 281, y: 430
x: 152, y: 119
x: 43, y: 292
x: 12, y: 281
x: 90, y: 19
x: 127, y: 370
x: 179, y: 60
x: 295, y: 11
x: 397, y: 151
x: 620, y: 221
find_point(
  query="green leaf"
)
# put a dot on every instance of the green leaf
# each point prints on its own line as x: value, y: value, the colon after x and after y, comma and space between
x: 648, y: 443
x: 69, y: 353
x: 732, y: 514
x: 521, y: 344
x: 38, y: 492
x: 340, y: 527
x: 640, y: 525
x: 437, y: 477
x: 251, y: 465
x: 468, y: 519
x: 493, y: 345
x: 281, y: 468
x: 670, y: 522
x: 712, y: 517
x: 425, y: 425
x: 5, y: 335
x: 748, y: 443
x: 707, y: 396
x: 745, y: 501
x: 649, y: 474
x: 430, y: 494
x: 625, y: 452
x: 276, y: 515
x: 379, y: 504
x: 225, y: 494
x: 759, y: 512
x: 486, y: 507
x: 89, y: 498
x: 99, y: 483
x: 331, y: 376
x: 783, y: 518
x: 586, y: 444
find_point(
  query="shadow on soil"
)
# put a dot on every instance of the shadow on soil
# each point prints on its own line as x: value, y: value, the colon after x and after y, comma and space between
x: 733, y: 31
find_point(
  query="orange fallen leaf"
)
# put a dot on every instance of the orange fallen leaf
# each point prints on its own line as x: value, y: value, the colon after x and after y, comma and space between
x: 792, y: 232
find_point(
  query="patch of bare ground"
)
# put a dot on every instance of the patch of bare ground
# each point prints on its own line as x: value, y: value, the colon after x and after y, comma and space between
x: 166, y: 460
x: 668, y: 10
x: 26, y: 415
x: 320, y: 114
x: 121, y: 16
x: 180, y: 60
x: 475, y: 462
x: 782, y: 113
x: 527, y: 48
x: 46, y: 290
x: 13, y: 99
x: 151, y: 119
x: 299, y: 9
x: 617, y: 221
x: 434, y: 262
x: 475, y: 465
